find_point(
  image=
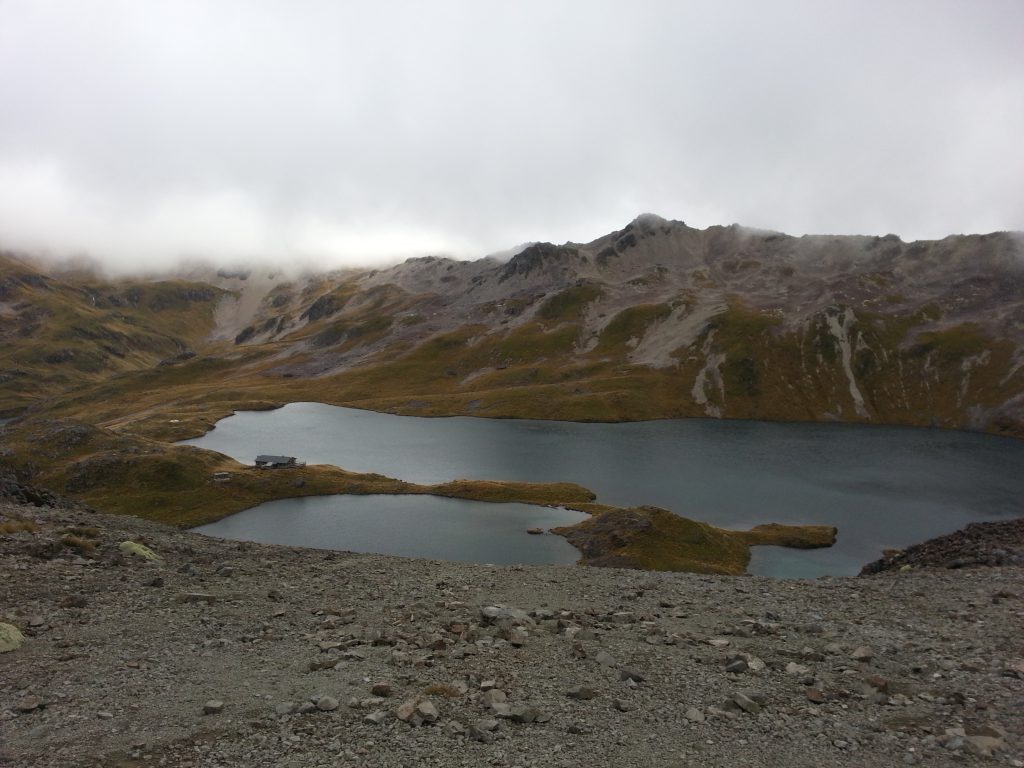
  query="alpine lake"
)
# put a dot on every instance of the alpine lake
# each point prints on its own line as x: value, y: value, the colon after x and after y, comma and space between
x: 882, y: 487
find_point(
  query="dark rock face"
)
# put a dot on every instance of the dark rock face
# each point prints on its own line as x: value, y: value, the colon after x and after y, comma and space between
x: 323, y: 307
x: 15, y: 488
x: 979, y: 544
x: 533, y: 258
x: 607, y: 532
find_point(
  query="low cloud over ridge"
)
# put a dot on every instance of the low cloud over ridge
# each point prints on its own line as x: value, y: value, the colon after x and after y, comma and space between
x: 146, y: 133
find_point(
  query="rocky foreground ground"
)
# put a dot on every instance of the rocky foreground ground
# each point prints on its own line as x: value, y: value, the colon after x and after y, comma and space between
x: 228, y: 654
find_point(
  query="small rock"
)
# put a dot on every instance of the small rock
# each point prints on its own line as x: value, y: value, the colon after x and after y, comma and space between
x: 213, y: 707
x: 747, y: 704
x: 983, y: 746
x: 381, y: 689
x: 327, y: 703
x: 426, y: 710
x: 492, y: 697
x: 736, y: 666
x: 524, y: 714
x: 582, y: 692
x: 605, y: 659
x: 694, y: 715
x: 29, y: 703
x: 862, y: 654
x: 455, y: 728
x: 104, y: 715
x: 630, y: 674
x: 197, y: 597
x: 376, y: 718
x: 622, y: 705
x: 487, y: 724
x: 797, y: 669
x: 815, y: 695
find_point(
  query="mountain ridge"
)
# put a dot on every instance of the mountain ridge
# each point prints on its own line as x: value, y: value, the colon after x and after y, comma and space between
x: 655, y: 320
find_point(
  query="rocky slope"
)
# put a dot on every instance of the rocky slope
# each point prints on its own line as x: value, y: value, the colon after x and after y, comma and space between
x: 995, y: 543
x: 226, y: 654
x: 655, y: 320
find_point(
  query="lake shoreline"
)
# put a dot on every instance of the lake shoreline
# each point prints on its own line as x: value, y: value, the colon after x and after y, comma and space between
x: 897, y: 485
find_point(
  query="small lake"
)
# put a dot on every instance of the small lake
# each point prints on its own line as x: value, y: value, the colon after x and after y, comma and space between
x: 410, y: 526
x: 881, y: 486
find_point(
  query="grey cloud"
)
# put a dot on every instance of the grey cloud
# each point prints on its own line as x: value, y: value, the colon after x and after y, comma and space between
x: 341, y: 133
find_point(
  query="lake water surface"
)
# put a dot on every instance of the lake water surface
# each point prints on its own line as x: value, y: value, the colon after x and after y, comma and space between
x: 881, y: 486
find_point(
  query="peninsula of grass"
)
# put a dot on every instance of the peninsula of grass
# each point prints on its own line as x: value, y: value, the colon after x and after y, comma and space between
x: 655, y: 539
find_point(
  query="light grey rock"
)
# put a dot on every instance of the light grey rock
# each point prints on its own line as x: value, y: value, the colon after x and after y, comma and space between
x: 427, y: 710
x: 862, y: 654
x: 327, y: 703
x: 213, y: 707
x: 792, y: 668
x: 492, y: 697
x: 746, y: 703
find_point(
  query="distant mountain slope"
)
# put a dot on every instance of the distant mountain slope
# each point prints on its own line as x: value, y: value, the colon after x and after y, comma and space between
x: 59, y: 333
x: 657, y: 319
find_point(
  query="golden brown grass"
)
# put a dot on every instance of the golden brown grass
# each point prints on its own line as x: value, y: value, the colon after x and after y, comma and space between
x: 80, y: 544
x: 18, y: 526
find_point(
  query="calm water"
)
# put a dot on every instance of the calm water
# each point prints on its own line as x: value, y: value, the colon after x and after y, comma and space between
x: 413, y: 526
x: 882, y: 487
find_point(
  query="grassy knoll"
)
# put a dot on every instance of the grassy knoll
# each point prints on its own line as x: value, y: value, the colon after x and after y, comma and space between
x: 656, y: 539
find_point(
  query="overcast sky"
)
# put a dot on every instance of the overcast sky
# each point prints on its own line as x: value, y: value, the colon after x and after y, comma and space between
x: 341, y: 132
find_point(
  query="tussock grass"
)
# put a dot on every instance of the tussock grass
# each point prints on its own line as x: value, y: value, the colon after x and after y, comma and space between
x: 18, y: 526
x: 80, y: 544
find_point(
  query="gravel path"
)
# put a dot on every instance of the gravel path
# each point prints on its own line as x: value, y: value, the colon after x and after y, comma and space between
x: 227, y: 654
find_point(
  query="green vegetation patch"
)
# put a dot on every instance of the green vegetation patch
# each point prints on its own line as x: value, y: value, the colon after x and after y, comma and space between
x: 952, y: 345
x: 569, y: 304
x: 630, y: 323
